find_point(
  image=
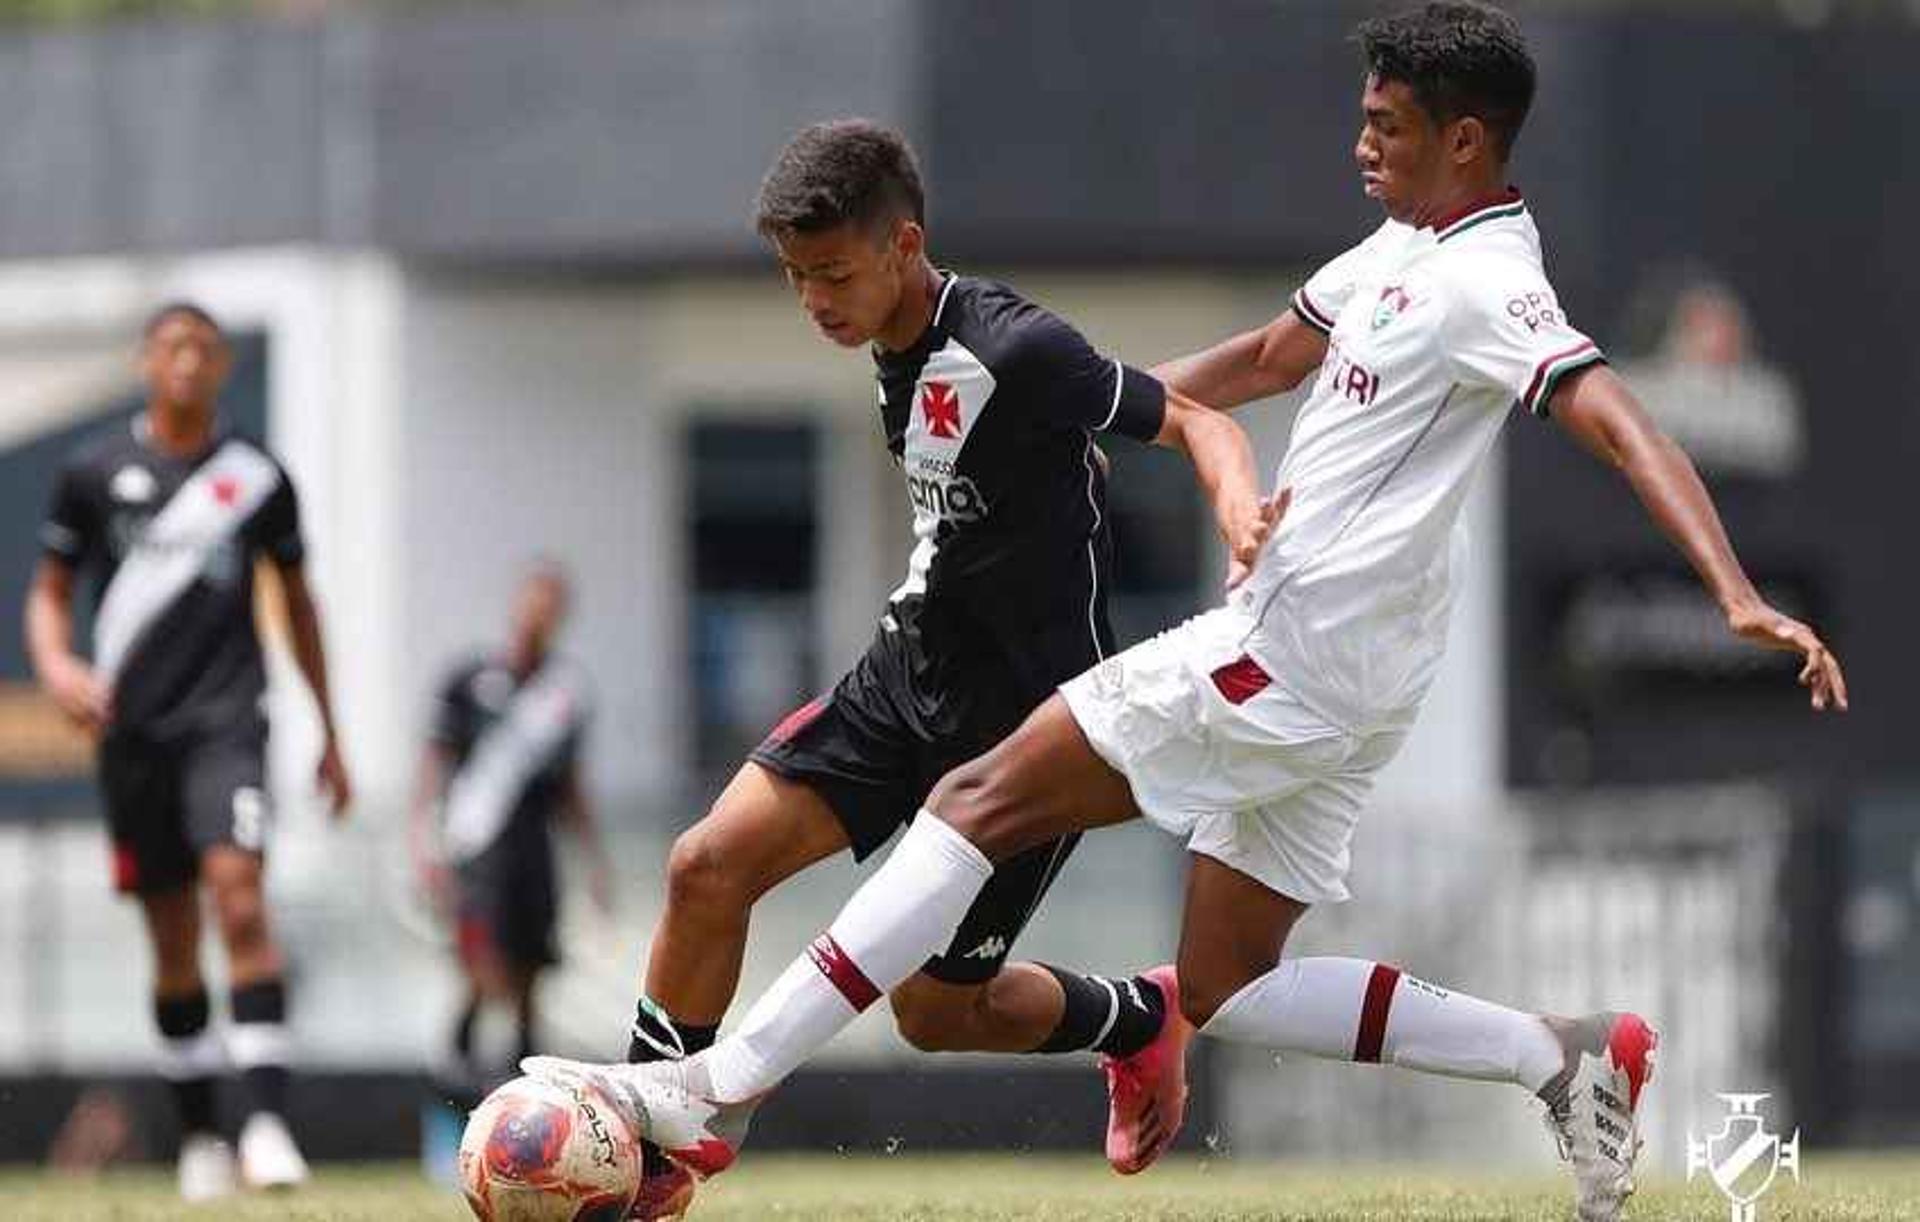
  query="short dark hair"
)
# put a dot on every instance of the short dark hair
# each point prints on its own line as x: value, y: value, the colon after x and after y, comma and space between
x: 179, y: 308
x: 1459, y: 59
x: 844, y: 171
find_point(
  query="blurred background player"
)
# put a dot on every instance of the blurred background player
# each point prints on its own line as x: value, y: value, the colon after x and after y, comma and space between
x: 501, y: 767
x: 167, y: 515
x: 1256, y: 731
x: 989, y: 403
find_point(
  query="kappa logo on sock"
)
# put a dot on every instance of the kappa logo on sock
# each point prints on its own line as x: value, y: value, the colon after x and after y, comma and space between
x: 992, y: 948
x: 1133, y: 993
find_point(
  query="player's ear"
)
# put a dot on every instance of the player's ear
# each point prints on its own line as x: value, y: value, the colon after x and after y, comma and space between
x: 909, y: 239
x: 1467, y: 140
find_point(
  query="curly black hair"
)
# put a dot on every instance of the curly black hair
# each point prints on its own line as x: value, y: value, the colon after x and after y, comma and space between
x: 844, y: 171
x: 1459, y: 59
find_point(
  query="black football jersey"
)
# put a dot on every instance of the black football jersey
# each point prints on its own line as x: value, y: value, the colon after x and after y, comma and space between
x: 992, y: 415
x: 169, y: 546
x: 482, y: 706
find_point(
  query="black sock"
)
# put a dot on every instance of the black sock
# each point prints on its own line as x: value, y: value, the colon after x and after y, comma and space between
x: 463, y: 1031
x: 526, y: 1036
x: 1117, y: 1017
x: 657, y: 1036
x: 183, y: 1024
x: 259, y: 1044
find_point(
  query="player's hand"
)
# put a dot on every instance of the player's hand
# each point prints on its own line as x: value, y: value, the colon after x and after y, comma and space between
x: 81, y: 695
x: 1245, y: 538
x: 332, y: 779
x: 600, y: 886
x: 1820, y: 673
x: 436, y: 882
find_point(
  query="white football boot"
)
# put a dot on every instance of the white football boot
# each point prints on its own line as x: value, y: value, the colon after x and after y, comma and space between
x: 1592, y: 1106
x: 268, y: 1157
x: 666, y: 1102
x: 206, y: 1168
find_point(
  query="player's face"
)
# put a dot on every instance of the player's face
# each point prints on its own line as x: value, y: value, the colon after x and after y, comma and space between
x: 849, y: 280
x: 185, y: 363
x: 538, y: 612
x: 1402, y: 152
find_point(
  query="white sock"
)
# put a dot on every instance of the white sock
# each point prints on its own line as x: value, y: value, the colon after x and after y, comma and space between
x: 902, y: 917
x: 1358, y: 1010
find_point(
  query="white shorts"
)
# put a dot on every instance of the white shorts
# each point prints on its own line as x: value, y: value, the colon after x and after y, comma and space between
x: 1220, y: 752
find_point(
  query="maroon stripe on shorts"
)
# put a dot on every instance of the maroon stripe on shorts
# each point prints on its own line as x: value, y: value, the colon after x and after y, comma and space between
x: 835, y: 964
x: 1373, y: 1013
x: 1241, y: 680
x: 797, y: 720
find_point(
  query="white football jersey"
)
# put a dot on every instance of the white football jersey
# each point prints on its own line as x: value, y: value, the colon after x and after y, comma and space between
x: 1433, y: 333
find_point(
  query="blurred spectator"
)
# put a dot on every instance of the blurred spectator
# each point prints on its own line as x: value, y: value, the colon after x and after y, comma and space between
x: 1706, y: 386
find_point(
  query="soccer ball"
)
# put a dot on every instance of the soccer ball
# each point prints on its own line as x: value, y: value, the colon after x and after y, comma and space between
x: 539, y: 1151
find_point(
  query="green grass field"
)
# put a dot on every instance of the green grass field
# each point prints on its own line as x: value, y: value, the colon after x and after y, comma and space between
x: 921, y: 1189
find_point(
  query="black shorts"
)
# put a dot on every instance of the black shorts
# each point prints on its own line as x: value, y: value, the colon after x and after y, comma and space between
x: 509, y: 906
x: 167, y: 803
x: 874, y: 747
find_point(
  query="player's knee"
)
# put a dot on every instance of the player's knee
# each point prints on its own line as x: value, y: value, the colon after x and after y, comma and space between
x: 1203, y: 993
x: 984, y: 801
x: 243, y: 919
x: 701, y: 876
x: 240, y: 907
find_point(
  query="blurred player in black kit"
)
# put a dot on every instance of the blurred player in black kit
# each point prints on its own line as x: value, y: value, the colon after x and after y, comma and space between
x: 167, y: 515
x: 501, y: 766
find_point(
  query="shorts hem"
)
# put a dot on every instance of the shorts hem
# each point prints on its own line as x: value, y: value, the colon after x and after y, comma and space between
x: 1278, y: 879
x: 861, y: 841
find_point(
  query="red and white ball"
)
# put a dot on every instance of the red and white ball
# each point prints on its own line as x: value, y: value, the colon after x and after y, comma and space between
x: 538, y: 1151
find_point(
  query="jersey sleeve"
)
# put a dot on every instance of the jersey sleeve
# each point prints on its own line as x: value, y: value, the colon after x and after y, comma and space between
x: 1506, y: 329
x: 450, y: 724
x: 1078, y: 387
x: 582, y: 720
x: 68, y: 530
x: 278, y: 532
x: 1319, y: 301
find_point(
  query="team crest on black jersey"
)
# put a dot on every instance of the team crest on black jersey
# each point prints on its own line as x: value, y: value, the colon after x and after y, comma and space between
x: 952, y: 391
x: 940, y: 408
x: 133, y: 485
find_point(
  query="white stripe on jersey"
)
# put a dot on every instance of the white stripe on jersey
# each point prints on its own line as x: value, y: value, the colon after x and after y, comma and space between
x: 203, y: 514
x: 517, y: 747
x: 953, y: 389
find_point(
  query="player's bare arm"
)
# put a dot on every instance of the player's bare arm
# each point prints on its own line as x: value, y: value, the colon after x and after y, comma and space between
x: 1596, y: 407
x: 1269, y: 360
x: 65, y: 676
x: 310, y: 654
x: 1222, y: 460
x: 429, y: 783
